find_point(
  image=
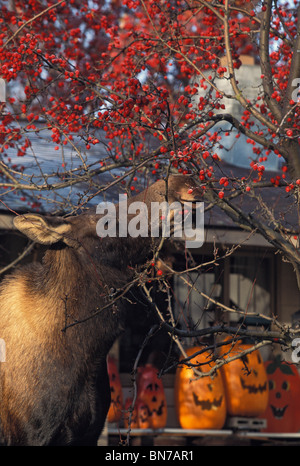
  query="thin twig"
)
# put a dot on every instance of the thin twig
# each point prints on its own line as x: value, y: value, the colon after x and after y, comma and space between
x: 18, y: 259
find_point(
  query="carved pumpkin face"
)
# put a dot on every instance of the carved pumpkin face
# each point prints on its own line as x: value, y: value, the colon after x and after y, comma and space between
x: 282, y: 413
x: 245, y: 380
x: 200, y: 403
x: 151, y: 400
x: 115, y: 409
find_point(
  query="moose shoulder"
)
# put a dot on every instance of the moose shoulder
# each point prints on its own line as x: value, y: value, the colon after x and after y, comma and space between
x: 54, y: 387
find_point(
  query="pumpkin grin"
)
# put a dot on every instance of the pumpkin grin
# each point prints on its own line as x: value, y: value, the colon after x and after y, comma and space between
x: 278, y: 413
x: 252, y: 388
x: 158, y: 410
x: 207, y: 404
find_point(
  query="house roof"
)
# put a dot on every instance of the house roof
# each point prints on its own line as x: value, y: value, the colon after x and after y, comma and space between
x: 42, y: 162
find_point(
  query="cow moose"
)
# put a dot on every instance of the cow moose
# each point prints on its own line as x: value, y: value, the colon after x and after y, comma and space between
x: 54, y: 386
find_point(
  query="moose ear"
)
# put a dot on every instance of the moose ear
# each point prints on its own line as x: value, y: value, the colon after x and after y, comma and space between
x: 43, y: 230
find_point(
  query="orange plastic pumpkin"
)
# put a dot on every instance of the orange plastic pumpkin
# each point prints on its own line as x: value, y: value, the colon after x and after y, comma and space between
x: 245, y: 381
x: 115, y: 409
x: 151, y: 399
x: 200, y: 403
x: 282, y: 413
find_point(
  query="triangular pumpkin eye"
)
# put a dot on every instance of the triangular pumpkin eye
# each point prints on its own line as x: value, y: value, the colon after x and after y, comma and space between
x: 245, y: 359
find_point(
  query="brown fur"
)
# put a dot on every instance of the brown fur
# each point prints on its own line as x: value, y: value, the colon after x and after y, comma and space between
x: 54, y: 386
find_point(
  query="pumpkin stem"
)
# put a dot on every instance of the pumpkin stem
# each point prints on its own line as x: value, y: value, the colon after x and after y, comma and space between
x: 278, y: 363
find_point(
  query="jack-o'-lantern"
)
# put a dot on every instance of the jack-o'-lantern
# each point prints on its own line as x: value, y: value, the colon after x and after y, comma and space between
x: 151, y: 399
x: 200, y: 402
x: 245, y: 381
x: 282, y: 413
x: 115, y: 409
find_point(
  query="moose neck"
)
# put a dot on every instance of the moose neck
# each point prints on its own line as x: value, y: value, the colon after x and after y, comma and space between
x: 63, y: 271
x: 76, y: 281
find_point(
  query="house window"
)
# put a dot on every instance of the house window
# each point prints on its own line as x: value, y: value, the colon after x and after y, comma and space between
x: 240, y: 282
x: 250, y: 284
x: 191, y: 305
